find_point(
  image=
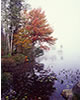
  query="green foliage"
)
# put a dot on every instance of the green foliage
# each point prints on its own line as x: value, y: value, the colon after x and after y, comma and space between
x: 19, y: 58
x: 7, y: 56
x: 12, y: 61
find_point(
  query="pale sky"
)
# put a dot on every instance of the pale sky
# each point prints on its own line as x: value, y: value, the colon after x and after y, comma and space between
x: 64, y: 17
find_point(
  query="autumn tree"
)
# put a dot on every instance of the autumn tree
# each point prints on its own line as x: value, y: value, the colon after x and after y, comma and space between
x: 35, y: 31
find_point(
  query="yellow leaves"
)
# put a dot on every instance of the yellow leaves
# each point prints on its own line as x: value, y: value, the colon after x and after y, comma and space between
x: 21, y: 30
x: 18, y: 42
x: 22, y: 40
x: 26, y: 46
x: 26, y: 97
x: 27, y: 41
x: 6, y: 97
x: 24, y: 43
x: 15, y: 35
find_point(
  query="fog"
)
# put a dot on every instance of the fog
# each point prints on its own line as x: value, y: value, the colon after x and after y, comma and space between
x: 64, y: 17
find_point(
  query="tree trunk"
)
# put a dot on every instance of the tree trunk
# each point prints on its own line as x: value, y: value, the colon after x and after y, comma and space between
x: 8, y: 41
x: 11, y: 43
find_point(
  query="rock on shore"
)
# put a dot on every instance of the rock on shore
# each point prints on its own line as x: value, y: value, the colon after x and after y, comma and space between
x: 72, y: 94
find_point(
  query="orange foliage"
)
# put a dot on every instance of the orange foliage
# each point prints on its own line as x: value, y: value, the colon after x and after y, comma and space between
x: 35, y: 29
x: 26, y: 58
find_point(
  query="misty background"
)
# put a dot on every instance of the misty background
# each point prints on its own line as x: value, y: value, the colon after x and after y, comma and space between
x: 64, y: 17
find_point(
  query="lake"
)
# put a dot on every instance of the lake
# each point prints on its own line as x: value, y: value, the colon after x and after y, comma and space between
x: 66, y: 69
